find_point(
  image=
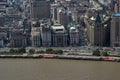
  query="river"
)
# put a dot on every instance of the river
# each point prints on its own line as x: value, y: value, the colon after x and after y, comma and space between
x: 52, y: 69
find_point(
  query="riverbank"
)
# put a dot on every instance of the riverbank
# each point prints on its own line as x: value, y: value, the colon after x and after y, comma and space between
x: 21, y: 56
x: 92, y: 58
x: 67, y: 57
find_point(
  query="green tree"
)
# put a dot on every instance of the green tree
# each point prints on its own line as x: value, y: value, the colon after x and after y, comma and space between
x: 22, y: 50
x: 59, y: 51
x: 12, y: 50
x: 32, y: 51
x: 41, y: 51
x: 96, y: 53
x: 49, y: 51
x: 104, y: 53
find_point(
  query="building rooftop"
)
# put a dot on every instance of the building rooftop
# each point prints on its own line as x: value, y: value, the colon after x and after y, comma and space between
x: 58, y: 26
x: 73, y: 29
x: 98, y: 19
x: 58, y: 29
x: 116, y: 14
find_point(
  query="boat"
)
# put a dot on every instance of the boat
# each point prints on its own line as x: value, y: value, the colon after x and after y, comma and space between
x: 49, y: 56
x: 111, y: 59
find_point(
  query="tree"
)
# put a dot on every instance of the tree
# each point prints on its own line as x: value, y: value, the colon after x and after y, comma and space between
x: 22, y: 50
x: 12, y: 50
x: 49, y: 51
x: 96, y: 53
x: 41, y: 51
x: 104, y: 53
x: 32, y: 51
x: 59, y: 51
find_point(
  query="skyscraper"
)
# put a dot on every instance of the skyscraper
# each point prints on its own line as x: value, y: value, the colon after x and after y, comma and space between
x: 115, y: 30
x: 3, y: 4
x: 59, y: 36
x: 40, y: 9
x: 99, y: 32
x: 116, y: 6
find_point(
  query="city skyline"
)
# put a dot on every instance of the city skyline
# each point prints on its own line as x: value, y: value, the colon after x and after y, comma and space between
x: 33, y: 20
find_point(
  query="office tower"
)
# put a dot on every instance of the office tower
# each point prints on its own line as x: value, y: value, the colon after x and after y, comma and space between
x: 35, y: 37
x: 59, y: 35
x: 116, y: 6
x: 113, y: 5
x: 54, y: 10
x: 46, y: 35
x: 18, y: 38
x: 40, y: 9
x: 74, y: 36
x: 115, y: 30
x: 3, y: 4
x: 63, y: 18
x: 99, y: 32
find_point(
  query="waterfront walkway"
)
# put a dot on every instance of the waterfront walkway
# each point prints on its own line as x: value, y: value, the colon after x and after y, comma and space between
x: 70, y: 57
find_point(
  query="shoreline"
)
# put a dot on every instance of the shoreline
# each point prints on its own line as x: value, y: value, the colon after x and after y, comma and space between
x: 66, y: 57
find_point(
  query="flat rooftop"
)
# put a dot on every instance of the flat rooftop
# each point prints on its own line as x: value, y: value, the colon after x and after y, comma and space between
x: 116, y: 14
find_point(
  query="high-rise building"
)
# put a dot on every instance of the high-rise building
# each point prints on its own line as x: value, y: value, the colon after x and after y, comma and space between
x: 3, y: 4
x: 63, y: 18
x: 46, y: 35
x: 59, y: 15
x: 74, y: 36
x: 40, y: 9
x: 116, y: 4
x: 113, y: 5
x: 59, y: 36
x: 115, y: 30
x: 54, y: 10
x: 18, y: 38
x: 35, y: 37
x: 100, y: 32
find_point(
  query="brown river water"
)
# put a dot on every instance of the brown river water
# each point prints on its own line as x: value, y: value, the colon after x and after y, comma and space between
x: 52, y: 69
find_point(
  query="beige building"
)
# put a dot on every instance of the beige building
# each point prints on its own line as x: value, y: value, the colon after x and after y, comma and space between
x: 40, y: 9
x: 36, y: 37
x: 90, y: 30
x: 115, y: 30
x: 98, y: 31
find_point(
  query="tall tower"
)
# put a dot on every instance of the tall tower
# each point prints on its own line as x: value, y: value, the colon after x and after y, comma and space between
x: 98, y: 31
x: 40, y: 9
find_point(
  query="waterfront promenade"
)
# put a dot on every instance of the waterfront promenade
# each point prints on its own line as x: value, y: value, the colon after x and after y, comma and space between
x: 67, y: 57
